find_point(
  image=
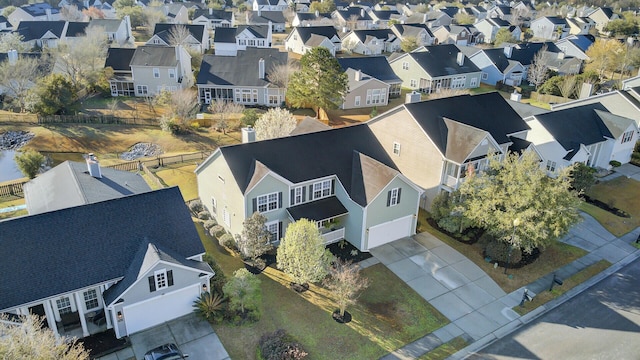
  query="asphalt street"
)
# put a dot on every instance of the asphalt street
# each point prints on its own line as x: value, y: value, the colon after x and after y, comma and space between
x: 601, y: 323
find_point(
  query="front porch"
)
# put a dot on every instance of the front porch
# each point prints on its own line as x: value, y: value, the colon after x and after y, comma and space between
x: 328, y: 213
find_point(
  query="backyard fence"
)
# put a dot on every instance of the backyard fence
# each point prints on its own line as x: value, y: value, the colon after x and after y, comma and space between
x: 16, y: 188
x: 12, y: 189
x: 95, y: 119
x: 546, y: 98
x: 18, y: 117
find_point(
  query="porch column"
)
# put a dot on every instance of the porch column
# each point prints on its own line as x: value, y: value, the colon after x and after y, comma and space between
x: 103, y: 288
x: 48, y: 313
x: 23, y: 311
x: 83, y: 320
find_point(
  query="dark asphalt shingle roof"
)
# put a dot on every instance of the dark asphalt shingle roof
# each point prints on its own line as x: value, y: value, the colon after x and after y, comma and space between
x: 39, y: 9
x: 356, y: 11
x: 305, y: 32
x: 498, y: 58
x: 574, y: 126
x: 383, y: 34
x: 312, y: 16
x: 225, y: 35
x: 33, y: 30
x: 266, y: 16
x: 215, y: 14
x: 119, y: 58
x: 410, y: 29
x: 75, y: 29
x: 375, y: 66
x: 518, y: 145
x: 309, y: 156
x: 441, y: 60
x: 240, y: 70
x: 69, y: 249
x: 489, y: 112
x: 524, y: 53
x: 318, y: 210
x: 197, y: 31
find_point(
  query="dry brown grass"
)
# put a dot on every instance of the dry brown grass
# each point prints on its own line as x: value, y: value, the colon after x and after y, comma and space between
x: 552, y: 258
x: 621, y: 193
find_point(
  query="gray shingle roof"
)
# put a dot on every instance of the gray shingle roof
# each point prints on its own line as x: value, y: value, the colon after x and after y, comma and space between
x: 305, y: 32
x: 109, y: 25
x: 382, y: 34
x: 489, y: 112
x: 197, y: 31
x: 240, y: 70
x: 39, y: 9
x: 150, y: 55
x: 225, y: 35
x: 266, y: 16
x: 215, y: 14
x: 69, y: 184
x: 64, y: 250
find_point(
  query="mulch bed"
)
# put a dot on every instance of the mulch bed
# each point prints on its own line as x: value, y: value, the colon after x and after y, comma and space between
x: 605, y: 207
x: 103, y: 343
x: 341, y: 319
x: 344, y: 252
x: 471, y: 241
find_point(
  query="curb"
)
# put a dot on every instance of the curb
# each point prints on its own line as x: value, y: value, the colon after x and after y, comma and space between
x: 542, y: 309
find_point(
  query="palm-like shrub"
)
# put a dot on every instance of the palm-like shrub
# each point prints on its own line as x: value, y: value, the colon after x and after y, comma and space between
x: 209, y: 306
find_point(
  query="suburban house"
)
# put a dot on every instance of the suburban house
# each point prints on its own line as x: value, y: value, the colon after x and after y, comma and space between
x: 588, y: 134
x: 341, y: 178
x: 75, y: 30
x: 550, y: 28
x: 490, y: 27
x: 420, y: 32
x: 140, y: 256
x: 580, y: 25
x: 242, y: 79
x: 118, y: 30
x: 381, y: 18
x: 625, y: 103
x: 370, y: 42
x: 304, y: 38
x: 457, y: 34
x: 275, y: 18
x: 376, y: 67
x: 4, y: 24
x: 176, y: 13
x: 311, y: 19
x: 33, y: 12
x: 73, y: 184
x: 435, y: 142
x: 435, y: 19
x: 42, y: 34
x: 601, y: 16
x: 562, y: 64
x: 364, y: 91
x: 496, y: 65
x: 212, y: 19
x: 154, y: 68
x: 432, y: 68
x: 353, y: 18
x: 227, y: 41
x: 165, y: 34
x: 478, y: 12
x: 502, y: 12
x: 269, y: 5
x: 576, y: 45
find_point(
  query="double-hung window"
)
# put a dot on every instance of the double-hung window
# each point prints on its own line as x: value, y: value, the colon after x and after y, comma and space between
x: 321, y: 189
x: 64, y: 305
x: 91, y: 299
x: 267, y: 202
x: 626, y: 137
x: 156, y: 73
x: 394, y: 197
x: 551, y: 165
x: 274, y: 230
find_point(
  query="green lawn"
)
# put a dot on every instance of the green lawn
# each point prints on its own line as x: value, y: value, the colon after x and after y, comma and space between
x: 445, y: 350
x: 388, y: 315
x: 182, y: 176
x: 8, y: 202
x: 553, y: 257
x: 621, y: 193
x: 568, y: 284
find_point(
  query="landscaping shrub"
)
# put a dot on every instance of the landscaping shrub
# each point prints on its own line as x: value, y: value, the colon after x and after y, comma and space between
x: 196, y: 206
x: 279, y: 345
x: 209, y: 224
x: 439, y: 206
x: 219, y: 279
x: 615, y: 163
x: 499, y: 250
x: 485, y: 239
x: 204, y: 215
x: 209, y: 306
x: 227, y: 240
x: 216, y: 231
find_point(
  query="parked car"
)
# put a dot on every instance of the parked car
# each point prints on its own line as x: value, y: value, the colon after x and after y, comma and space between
x: 165, y: 352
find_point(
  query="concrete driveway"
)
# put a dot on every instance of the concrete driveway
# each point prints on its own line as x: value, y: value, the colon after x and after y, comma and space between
x: 192, y: 335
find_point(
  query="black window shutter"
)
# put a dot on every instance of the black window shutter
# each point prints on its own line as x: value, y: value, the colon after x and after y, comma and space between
x: 280, y: 200
x: 310, y: 192
x: 279, y: 230
x: 255, y: 205
x: 333, y: 186
x: 389, y: 198
x: 152, y: 283
x: 304, y: 193
x: 292, y: 200
x: 399, y: 191
x: 170, y: 278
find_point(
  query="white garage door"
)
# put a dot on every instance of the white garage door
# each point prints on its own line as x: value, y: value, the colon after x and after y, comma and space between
x: 389, y: 231
x: 163, y: 308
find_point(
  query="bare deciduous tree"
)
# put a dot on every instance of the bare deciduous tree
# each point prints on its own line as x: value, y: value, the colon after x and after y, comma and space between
x: 568, y: 86
x: 30, y: 339
x: 83, y: 59
x: 71, y: 13
x: 222, y: 109
x: 178, y: 36
x: 344, y: 283
x: 183, y: 103
x: 538, y: 70
x: 275, y: 123
x: 281, y: 73
x: 12, y: 41
x: 18, y: 77
x: 353, y: 22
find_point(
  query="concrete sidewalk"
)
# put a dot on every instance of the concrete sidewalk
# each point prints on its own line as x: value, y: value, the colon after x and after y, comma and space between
x: 477, y: 307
